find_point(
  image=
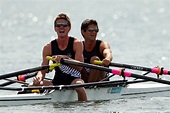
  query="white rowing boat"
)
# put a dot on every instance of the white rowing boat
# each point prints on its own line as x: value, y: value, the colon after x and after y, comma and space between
x: 108, y: 90
x: 105, y: 90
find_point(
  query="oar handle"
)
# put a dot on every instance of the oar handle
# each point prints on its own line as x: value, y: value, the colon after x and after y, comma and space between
x: 98, y: 62
x: 50, y: 58
x: 52, y: 65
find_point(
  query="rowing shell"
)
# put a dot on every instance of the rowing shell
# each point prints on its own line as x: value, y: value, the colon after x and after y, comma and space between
x: 96, y: 93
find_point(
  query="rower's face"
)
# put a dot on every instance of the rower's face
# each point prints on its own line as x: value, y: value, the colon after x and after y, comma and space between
x: 62, y: 27
x: 91, y: 32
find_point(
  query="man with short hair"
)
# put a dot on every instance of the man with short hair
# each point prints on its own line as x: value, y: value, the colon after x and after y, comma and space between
x: 94, y: 50
x: 63, y: 47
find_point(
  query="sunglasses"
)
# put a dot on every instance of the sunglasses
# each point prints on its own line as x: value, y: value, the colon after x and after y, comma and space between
x: 61, y: 24
x: 93, y: 29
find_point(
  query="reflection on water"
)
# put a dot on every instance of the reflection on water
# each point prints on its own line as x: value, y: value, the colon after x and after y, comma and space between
x: 114, y: 106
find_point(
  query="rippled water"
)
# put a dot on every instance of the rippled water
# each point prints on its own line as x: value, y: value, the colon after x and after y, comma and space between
x: 137, y: 30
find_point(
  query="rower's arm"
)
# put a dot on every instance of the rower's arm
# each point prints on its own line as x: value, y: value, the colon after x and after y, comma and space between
x: 46, y: 52
x: 107, y: 53
x: 78, y: 49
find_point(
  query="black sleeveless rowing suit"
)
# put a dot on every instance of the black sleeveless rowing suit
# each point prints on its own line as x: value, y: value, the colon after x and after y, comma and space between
x: 64, y: 74
x: 94, y: 52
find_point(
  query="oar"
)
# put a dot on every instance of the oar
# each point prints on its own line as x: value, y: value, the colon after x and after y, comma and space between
x: 114, y: 71
x: 116, y: 83
x: 59, y: 87
x: 20, y: 79
x: 156, y: 70
x: 28, y: 71
x: 12, y: 81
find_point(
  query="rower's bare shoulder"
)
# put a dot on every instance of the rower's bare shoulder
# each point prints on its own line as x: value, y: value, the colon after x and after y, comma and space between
x: 104, y: 44
x: 47, y: 49
x: 78, y: 42
x: 47, y: 46
x: 78, y: 45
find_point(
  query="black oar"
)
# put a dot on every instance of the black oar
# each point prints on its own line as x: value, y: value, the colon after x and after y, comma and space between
x: 59, y: 87
x: 114, y: 71
x: 121, y: 83
x: 12, y: 81
x: 156, y: 70
x: 20, y: 79
x: 27, y: 71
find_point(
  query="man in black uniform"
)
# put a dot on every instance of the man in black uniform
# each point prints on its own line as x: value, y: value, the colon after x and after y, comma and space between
x: 65, y: 47
x: 94, y: 50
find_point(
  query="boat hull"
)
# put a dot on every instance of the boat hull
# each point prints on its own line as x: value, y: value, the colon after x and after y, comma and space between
x: 93, y: 94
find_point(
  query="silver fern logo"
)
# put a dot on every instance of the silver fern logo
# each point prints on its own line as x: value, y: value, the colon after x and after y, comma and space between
x: 69, y: 55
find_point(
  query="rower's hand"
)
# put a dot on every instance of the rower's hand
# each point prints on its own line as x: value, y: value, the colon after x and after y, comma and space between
x: 59, y: 57
x: 106, y: 62
x: 37, y: 80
